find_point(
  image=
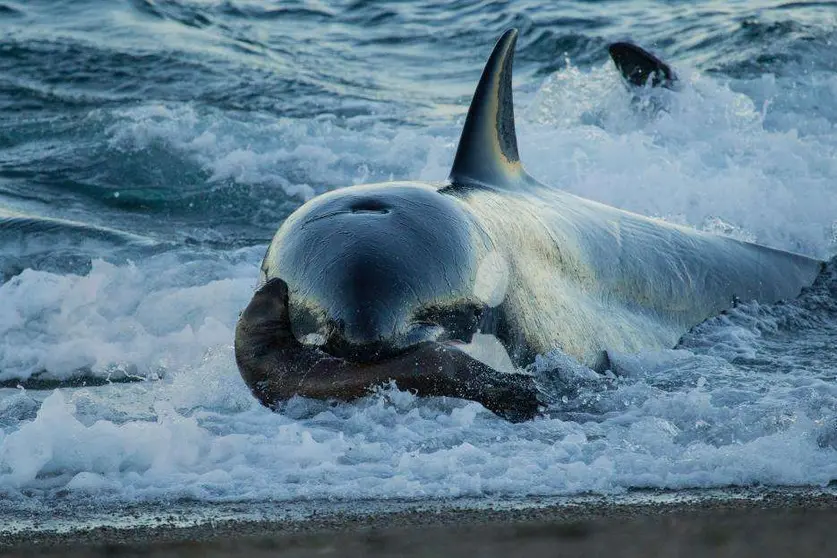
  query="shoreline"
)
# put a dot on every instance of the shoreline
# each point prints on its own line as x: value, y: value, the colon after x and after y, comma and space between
x: 776, y: 522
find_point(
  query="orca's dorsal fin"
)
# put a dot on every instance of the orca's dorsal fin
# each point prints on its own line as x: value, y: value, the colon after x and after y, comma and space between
x: 487, y: 152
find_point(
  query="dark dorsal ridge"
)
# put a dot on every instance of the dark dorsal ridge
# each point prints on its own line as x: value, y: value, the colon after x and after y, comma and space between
x: 639, y: 67
x: 487, y: 152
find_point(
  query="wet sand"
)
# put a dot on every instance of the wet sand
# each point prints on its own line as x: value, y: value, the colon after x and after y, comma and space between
x: 775, y: 524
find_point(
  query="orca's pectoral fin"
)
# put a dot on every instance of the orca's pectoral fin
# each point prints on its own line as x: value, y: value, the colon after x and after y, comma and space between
x: 639, y: 67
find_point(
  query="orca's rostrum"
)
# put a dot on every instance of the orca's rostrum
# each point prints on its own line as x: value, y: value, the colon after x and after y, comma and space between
x: 450, y: 288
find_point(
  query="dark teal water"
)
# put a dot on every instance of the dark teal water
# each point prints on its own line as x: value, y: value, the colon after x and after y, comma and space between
x: 204, y: 121
x: 149, y: 149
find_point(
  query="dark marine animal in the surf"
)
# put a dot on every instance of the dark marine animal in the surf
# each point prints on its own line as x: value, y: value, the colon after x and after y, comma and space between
x: 450, y: 288
x: 640, y: 68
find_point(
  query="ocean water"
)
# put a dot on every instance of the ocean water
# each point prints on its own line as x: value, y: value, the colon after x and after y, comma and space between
x: 149, y: 149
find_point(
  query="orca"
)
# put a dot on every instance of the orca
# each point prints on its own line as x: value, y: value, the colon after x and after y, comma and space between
x: 453, y: 288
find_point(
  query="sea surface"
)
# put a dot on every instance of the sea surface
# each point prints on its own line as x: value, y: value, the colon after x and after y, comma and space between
x: 149, y: 149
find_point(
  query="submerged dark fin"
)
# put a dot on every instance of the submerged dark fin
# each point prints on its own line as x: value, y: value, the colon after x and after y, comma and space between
x: 638, y: 66
x: 487, y: 152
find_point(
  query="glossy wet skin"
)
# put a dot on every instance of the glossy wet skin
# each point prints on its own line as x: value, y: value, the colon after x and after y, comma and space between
x: 375, y: 270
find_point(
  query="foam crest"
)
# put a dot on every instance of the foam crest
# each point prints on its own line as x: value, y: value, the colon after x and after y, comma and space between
x: 302, y: 157
x: 120, y: 321
x: 695, y: 157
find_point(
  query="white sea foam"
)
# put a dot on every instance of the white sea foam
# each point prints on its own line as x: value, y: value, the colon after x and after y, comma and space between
x: 201, y: 436
x: 140, y: 319
x: 706, y: 156
x: 303, y: 157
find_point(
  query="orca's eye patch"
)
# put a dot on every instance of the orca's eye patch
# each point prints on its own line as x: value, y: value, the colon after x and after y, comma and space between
x: 369, y: 205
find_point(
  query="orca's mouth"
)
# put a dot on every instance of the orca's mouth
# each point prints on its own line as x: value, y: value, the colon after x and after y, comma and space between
x: 276, y: 366
x: 369, y: 353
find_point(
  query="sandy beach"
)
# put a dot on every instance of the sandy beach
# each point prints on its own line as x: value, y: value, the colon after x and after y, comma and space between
x: 774, y: 524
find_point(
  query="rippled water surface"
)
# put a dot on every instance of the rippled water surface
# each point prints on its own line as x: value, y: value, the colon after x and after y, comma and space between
x: 149, y: 149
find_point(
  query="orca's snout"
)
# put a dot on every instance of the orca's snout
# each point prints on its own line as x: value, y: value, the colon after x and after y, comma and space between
x: 359, y: 311
x: 362, y: 334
